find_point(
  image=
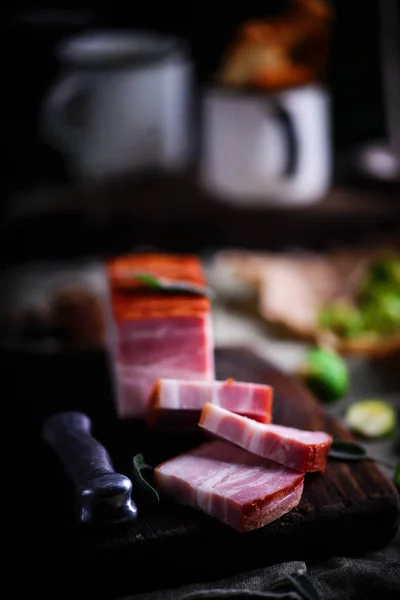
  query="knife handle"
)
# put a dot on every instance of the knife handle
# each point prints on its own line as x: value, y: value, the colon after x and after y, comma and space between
x: 101, y: 493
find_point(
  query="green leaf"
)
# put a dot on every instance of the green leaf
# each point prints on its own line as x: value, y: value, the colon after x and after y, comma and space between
x: 343, y: 319
x: 351, y: 451
x: 172, y: 287
x: 148, y: 280
x: 140, y: 486
x: 347, y: 451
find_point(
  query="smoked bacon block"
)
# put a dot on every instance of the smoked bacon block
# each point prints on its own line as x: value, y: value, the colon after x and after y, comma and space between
x: 240, y: 489
x: 303, y: 451
x: 156, y: 333
x: 178, y: 403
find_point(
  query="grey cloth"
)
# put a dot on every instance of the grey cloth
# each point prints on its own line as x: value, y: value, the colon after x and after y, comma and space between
x: 374, y: 575
x: 239, y: 594
x: 253, y: 582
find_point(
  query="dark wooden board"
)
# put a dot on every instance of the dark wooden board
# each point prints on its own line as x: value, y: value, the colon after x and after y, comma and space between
x: 351, y: 508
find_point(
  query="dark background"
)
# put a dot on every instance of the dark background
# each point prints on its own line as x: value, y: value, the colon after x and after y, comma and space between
x: 31, y: 31
x: 175, y: 215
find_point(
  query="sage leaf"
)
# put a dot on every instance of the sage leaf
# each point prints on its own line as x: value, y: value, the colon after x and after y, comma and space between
x: 149, y: 280
x: 140, y: 486
x: 350, y: 451
x: 172, y: 287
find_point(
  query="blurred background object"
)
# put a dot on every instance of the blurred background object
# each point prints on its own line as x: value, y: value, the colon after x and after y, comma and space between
x: 381, y: 160
x: 30, y: 35
x: 345, y: 300
x: 121, y: 105
x: 267, y: 130
x: 324, y: 101
x: 262, y: 149
x: 286, y: 50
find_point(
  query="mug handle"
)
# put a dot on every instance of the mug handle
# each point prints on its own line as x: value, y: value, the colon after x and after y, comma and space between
x: 55, y: 125
x: 286, y: 122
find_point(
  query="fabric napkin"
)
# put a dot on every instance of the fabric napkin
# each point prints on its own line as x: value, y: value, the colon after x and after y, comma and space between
x: 375, y: 575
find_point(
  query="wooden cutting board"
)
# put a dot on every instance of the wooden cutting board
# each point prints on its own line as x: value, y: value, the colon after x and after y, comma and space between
x: 351, y: 508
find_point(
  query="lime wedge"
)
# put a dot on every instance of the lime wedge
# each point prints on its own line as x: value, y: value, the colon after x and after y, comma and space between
x: 325, y: 373
x: 371, y: 418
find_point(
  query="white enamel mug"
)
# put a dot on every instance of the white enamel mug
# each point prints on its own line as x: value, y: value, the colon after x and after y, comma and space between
x: 123, y: 103
x: 266, y: 149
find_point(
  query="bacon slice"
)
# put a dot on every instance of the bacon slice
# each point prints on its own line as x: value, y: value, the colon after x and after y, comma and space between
x: 238, y: 488
x: 303, y: 451
x: 177, y: 403
x: 154, y: 334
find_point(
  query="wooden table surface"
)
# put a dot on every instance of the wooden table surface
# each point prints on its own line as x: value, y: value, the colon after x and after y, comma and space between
x: 175, y: 214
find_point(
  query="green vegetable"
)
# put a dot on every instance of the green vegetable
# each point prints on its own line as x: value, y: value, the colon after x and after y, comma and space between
x: 383, y: 314
x: 383, y: 270
x: 379, y: 296
x: 343, y: 319
x: 397, y: 475
x: 172, y: 287
x: 325, y: 373
x: 369, y: 294
x: 371, y: 418
x: 377, y: 308
x: 149, y: 280
x: 353, y: 452
x: 347, y: 451
x: 142, y: 490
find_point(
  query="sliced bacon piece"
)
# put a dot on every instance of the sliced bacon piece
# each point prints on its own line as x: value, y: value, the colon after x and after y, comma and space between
x: 176, y: 403
x: 303, y: 451
x: 238, y: 488
x: 155, y: 334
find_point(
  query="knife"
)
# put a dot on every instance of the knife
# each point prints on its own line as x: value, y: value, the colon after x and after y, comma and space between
x: 102, y: 496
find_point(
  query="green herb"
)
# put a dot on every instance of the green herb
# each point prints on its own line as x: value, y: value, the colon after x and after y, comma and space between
x: 149, y: 280
x: 325, y: 373
x: 341, y: 318
x: 140, y: 486
x: 383, y: 270
x: 347, y: 451
x: 371, y: 418
x: 352, y: 452
x: 381, y: 313
x: 376, y: 311
x: 172, y: 287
